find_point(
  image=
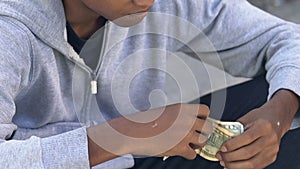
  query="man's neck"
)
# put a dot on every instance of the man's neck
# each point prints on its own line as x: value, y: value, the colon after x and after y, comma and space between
x: 83, y: 21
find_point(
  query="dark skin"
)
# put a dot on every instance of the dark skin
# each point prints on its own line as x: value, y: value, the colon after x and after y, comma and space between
x: 189, y: 128
x: 256, y: 148
x: 87, y: 16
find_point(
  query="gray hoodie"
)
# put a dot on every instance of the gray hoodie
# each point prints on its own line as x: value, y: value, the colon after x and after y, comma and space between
x: 45, y: 95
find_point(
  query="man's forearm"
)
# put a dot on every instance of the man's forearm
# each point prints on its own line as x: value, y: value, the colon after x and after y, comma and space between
x: 157, y: 132
x: 113, y: 136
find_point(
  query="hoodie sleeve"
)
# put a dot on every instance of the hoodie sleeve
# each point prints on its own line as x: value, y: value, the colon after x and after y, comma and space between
x: 67, y: 150
x: 250, y: 42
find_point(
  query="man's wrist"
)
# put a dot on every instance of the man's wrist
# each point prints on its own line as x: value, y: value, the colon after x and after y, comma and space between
x: 288, y: 99
x: 286, y: 104
x: 98, y: 155
x: 104, y: 144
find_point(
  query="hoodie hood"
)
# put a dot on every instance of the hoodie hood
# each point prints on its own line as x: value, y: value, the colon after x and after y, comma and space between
x: 39, y: 17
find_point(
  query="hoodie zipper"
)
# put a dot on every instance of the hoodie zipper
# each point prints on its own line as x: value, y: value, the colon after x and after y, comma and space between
x: 95, y: 73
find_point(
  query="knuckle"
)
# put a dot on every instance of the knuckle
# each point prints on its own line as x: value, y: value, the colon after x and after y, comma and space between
x: 273, y: 159
x: 261, y: 122
x: 190, y: 155
x: 204, y: 108
x: 270, y: 160
x: 276, y: 149
x: 268, y: 126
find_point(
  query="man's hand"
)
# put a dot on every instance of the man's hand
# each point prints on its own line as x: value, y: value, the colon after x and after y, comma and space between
x: 258, y: 146
x: 174, y: 130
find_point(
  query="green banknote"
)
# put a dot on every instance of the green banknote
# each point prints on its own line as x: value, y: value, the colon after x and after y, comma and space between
x: 222, y: 132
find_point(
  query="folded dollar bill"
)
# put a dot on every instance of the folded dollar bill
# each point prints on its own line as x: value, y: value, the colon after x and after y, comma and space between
x: 222, y: 132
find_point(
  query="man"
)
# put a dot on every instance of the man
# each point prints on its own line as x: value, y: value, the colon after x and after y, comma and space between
x: 43, y: 104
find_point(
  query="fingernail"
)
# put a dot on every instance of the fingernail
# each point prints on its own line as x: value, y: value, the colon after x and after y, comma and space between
x: 222, y: 163
x: 224, y: 149
x: 219, y: 157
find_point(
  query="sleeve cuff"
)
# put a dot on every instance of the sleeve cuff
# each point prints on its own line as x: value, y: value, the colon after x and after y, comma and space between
x: 125, y: 161
x: 285, y: 78
x: 68, y: 150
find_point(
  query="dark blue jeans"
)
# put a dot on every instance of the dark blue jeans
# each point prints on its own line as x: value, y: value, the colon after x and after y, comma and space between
x: 240, y: 99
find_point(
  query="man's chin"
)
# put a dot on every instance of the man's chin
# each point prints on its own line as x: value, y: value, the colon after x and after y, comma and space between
x: 130, y: 20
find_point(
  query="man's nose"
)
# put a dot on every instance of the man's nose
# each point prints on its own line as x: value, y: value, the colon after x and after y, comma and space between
x: 143, y: 3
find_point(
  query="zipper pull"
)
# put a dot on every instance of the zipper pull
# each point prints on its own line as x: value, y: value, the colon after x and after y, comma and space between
x: 94, y: 87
